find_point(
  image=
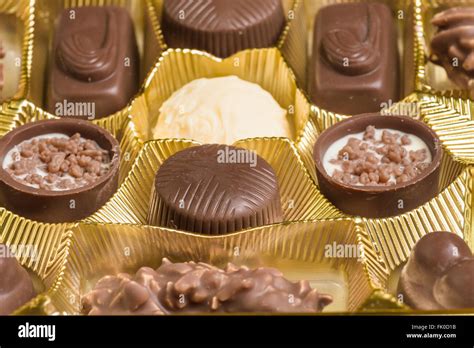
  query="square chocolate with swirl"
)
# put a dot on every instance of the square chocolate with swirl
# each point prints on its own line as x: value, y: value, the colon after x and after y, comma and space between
x: 354, y: 67
x: 94, y: 61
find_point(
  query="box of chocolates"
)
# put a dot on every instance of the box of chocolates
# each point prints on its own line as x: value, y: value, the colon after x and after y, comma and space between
x: 169, y: 157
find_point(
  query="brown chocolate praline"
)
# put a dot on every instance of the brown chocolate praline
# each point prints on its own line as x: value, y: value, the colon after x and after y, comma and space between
x: 379, y: 201
x: 439, y: 274
x: 16, y: 286
x: 452, y: 45
x: 222, y: 27
x: 94, y: 61
x: 58, y: 206
x: 198, y: 190
x: 191, y: 287
x: 354, y: 66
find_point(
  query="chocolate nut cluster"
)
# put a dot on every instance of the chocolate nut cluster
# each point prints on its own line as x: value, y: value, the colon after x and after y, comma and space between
x: 198, y: 287
x: 59, y: 163
x: 384, y: 161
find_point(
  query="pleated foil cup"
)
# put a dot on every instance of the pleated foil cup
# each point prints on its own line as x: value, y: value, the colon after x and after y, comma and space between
x: 175, y: 68
x: 404, y: 17
x: 46, y: 13
x: 41, y: 250
x: 451, y: 210
x: 292, y: 41
x: 23, y: 12
x: 433, y: 78
x: 300, y: 197
x: 301, y: 250
x: 16, y: 114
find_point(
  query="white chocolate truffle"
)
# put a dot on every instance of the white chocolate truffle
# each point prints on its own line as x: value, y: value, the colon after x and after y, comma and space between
x: 221, y: 110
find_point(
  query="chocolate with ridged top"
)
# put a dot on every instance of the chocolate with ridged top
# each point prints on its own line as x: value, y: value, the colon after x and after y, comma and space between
x: 222, y: 27
x: 354, y: 67
x: 215, y: 189
x: 16, y: 286
x: 95, y: 60
x: 201, y: 288
x: 439, y: 274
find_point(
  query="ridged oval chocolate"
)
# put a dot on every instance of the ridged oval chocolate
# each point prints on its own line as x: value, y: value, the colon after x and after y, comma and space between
x: 222, y: 27
x: 201, y: 189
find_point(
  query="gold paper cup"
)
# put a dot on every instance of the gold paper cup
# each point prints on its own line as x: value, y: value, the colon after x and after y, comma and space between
x: 265, y: 67
x: 291, y: 41
x: 301, y: 250
x: 299, y: 196
x: 433, y: 77
x: 46, y: 13
x: 16, y: 28
x: 40, y: 248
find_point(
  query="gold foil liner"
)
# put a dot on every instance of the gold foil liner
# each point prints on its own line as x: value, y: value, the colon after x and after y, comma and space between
x: 450, y: 210
x: 49, y: 248
x: 432, y: 77
x: 23, y: 10
x: 46, y: 13
x: 265, y: 67
x: 300, y: 197
x: 299, y: 249
x: 292, y: 40
x: 404, y: 14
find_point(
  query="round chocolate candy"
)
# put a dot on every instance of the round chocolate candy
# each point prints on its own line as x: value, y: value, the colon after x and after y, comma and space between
x: 222, y: 27
x: 455, y: 289
x: 376, y: 193
x: 16, y: 286
x: 439, y: 273
x: 58, y: 170
x: 215, y: 189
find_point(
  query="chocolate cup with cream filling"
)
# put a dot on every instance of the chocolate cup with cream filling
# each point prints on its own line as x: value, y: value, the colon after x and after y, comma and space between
x: 379, y: 201
x: 58, y: 206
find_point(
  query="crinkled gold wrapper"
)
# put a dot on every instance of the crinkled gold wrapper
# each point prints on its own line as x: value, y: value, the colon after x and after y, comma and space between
x: 23, y: 10
x: 73, y: 256
x: 300, y: 197
x: 445, y: 107
x: 46, y: 12
x: 96, y: 250
x: 265, y: 67
x: 292, y: 41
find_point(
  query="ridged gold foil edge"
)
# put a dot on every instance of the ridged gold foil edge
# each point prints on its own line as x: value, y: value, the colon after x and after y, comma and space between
x: 24, y: 11
x: 300, y: 197
x: 49, y: 240
x: 98, y: 249
x: 114, y: 121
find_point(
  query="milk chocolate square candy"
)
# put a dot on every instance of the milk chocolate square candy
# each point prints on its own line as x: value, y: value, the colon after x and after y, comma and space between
x: 94, y: 62
x: 354, y: 67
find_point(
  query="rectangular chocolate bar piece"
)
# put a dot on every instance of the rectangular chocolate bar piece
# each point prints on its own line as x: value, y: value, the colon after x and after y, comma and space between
x: 94, y: 61
x: 354, y: 67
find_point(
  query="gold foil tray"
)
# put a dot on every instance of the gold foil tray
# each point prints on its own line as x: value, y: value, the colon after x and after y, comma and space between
x: 299, y: 249
x: 299, y: 195
x: 23, y: 11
